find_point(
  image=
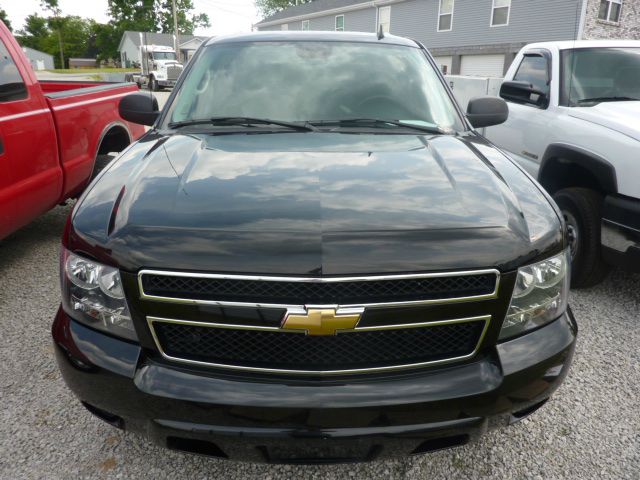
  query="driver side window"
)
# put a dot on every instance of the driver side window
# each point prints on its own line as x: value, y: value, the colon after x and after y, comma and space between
x: 12, y: 85
x: 534, y: 69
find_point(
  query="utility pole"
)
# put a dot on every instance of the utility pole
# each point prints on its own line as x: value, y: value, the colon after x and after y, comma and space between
x: 54, y: 8
x: 176, y: 42
x: 60, y: 44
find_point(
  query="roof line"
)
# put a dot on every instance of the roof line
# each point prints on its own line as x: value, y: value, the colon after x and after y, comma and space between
x: 322, y: 13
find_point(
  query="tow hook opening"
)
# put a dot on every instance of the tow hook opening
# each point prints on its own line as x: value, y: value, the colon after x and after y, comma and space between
x: 111, y: 418
x: 198, y: 447
x: 435, y: 444
x: 525, y: 412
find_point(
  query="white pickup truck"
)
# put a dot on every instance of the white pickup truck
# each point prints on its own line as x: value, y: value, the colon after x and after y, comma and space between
x: 574, y: 124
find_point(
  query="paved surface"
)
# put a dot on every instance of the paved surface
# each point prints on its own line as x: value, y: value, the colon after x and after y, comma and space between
x: 162, y: 97
x: 65, y: 77
x: 590, y: 429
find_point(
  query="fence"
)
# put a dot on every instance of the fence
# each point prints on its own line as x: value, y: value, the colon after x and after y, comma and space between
x: 465, y: 88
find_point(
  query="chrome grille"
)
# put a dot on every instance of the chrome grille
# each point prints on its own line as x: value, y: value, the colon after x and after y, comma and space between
x: 173, y: 73
x: 269, y: 346
x: 319, y: 291
x: 356, y: 351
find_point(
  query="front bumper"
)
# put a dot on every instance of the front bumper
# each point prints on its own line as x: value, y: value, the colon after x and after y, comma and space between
x: 292, y: 420
x: 167, y: 83
x: 621, y: 232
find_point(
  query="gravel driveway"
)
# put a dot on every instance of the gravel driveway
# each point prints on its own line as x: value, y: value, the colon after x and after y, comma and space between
x: 590, y: 429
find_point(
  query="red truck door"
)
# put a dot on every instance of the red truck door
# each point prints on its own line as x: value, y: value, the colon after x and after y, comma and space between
x: 32, y: 176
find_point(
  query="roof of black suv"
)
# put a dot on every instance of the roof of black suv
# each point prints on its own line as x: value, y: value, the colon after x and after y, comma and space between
x: 285, y: 36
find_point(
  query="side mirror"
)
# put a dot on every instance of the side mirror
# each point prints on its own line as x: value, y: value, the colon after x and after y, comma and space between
x: 139, y: 108
x: 487, y: 111
x: 523, y: 92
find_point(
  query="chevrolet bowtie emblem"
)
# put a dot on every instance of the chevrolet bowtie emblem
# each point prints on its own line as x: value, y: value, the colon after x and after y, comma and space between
x: 322, y: 321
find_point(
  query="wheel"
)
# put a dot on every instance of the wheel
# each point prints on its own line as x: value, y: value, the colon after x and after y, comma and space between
x: 153, y: 84
x: 582, y: 212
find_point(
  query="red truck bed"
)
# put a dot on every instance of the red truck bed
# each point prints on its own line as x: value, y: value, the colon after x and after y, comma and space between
x: 91, y: 106
x: 51, y: 134
x: 55, y: 86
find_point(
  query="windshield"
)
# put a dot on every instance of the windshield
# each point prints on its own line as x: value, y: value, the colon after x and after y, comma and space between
x: 600, y: 73
x: 164, y: 56
x: 314, y: 82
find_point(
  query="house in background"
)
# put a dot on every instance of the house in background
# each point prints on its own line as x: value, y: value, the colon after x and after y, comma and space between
x: 39, y: 60
x: 468, y: 37
x: 188, y: 48
x: 129, y: 46
x: 612, y: 19
x: 83, y: 63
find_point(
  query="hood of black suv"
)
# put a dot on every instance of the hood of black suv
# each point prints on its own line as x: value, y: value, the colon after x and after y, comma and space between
x: 321, y: 203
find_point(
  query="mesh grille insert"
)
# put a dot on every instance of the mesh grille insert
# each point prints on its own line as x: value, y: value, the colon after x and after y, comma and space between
x: 304, y: 293
x: 296, y: 351
x: 173, y: 73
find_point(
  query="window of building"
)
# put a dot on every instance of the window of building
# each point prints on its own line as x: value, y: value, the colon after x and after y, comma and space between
x: 12, y: 85
x: 610, y: 10
x: 339, y: 23
x: 500, y: 13
x: 305, y: 25
x: 445, y: 16
x: 284, y: 26
x: 384, y: 19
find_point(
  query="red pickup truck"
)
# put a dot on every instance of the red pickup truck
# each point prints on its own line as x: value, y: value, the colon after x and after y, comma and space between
x: 51, y: 136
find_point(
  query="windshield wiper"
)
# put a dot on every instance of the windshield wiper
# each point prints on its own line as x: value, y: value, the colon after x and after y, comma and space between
x: 243, y: 121
x: 607, y: 99
x: 377, y: 122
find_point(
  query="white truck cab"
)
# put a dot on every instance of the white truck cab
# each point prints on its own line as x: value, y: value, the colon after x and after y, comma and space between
x: 159, y: 67
x: 574, y: 124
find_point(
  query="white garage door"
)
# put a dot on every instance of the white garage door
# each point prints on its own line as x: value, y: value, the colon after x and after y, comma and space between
x: 482, y: 65
x: 444, y: 63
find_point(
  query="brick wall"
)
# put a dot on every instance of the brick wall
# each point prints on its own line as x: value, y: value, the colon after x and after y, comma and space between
x: 628, y: 28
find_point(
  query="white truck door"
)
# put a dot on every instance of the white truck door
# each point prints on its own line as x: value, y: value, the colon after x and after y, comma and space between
x: 525, y: 134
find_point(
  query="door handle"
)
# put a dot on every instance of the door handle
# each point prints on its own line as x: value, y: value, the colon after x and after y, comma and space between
x: 1, y: 146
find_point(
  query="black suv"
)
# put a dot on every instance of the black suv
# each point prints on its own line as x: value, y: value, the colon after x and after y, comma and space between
x: 312, y: 256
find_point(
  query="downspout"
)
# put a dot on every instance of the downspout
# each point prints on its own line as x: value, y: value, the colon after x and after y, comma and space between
x: 583, y: 19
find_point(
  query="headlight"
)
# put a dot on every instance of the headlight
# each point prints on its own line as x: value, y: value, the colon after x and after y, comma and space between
x: 539, y: 296
x: 92, y: 294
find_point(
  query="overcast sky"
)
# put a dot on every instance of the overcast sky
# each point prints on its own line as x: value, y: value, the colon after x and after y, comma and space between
x: 226, y: 16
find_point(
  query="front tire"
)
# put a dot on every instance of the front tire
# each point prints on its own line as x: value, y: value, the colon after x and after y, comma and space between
x: 153, y: 84
x: 582, y: 212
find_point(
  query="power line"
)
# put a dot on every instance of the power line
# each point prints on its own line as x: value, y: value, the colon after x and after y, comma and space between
x: 233, y: 12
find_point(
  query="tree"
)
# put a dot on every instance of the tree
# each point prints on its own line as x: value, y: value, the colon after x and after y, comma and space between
x: 187, y: 21
x: 137, y: 15
x: 77, y: 35
x: 155, y: 16
x: 269, y: 7
x: 5, y: 19
x: 106, y: 39
x: 80, y: 36
x: 53, y: 7
x: 34, y: 32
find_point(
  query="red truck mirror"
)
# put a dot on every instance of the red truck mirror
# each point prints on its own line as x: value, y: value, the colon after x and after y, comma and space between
x: 139, y: 108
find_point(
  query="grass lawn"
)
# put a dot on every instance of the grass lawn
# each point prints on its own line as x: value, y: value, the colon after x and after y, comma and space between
x: 94, y: 70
